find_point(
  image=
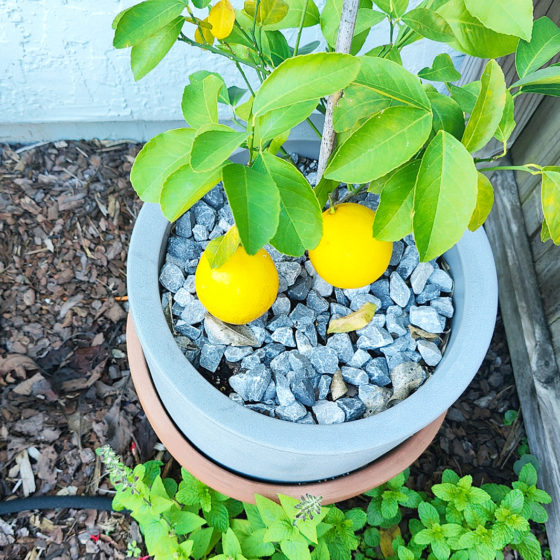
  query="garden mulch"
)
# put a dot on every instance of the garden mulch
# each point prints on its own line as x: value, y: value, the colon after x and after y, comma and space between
x: 66, y: 214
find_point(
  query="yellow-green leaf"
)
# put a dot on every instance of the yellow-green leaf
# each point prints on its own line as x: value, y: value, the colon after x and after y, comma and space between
x: 221, y: 18
x: 484, y: 202
x: 269, y: 11
x: 213, y: 145
x: 353, y: 321
x: 507, y: 124
x: 203, y: 32
x: 200, y: 100
x: 221, y: 249
x: 550, y: 195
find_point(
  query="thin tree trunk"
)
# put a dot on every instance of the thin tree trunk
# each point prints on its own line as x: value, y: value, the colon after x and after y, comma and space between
x: 343, y: 44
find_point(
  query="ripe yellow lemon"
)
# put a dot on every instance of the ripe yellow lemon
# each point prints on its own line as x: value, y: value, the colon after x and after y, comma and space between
x: 240, y: 290
x: 348, y: 256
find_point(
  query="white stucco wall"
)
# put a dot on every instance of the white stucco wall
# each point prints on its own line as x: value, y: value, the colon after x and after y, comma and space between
x: 60, y: 77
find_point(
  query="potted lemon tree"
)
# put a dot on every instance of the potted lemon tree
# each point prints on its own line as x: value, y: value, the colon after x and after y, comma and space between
x: 386, y: 132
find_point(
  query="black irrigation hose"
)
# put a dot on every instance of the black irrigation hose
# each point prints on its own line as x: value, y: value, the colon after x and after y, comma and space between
x: 56, y: 502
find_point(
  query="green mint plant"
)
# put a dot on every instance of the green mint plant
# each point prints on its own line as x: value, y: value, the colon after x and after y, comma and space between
x: 397, y: 134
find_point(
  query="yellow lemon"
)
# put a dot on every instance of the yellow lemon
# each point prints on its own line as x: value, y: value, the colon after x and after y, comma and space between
x: 348, y: 256
x: 240, y: 290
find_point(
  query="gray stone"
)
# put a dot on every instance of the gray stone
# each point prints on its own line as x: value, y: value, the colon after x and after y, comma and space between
x: 302, y: 366
x: 338, y: 310
x: 251, y: 361
x: 429, y: 352
x: 378, y: 372
x: 324, y: 387
x: 281, y: 363
x: 183, y: 296
x: 309, y: 268
x: 290, y: 270
x: 342, y: 345
x: 441, y: 280
x: 171, y: 277
x: 402, y: 357
x: 211, y: 356
x: 351, y: 293
x: 204, y: 215
x: 427, y: 318
x: 354, y: 376
x: 316, y: 302
x: 443, y: 305
x: 215, y: 198
x: 353, y: 408
x: 380, y: 289
x: 321, y: 287
x: 406, y: 378
x: 187, y: 330
x: 302, y: 315
x: 292, y: 412
x: 183, y: 226
x: 429, y: 293
x: 308, y: 329
x: 361, y: 299
x: 375, y: 398
x: 300, y: 289
x: 398, y: 290
x: 398, y: 249
x: 396, y: 321
x: 182, y: 248
x: 340, y: 297
x: 189, y: 284
x: 420, y: 276
x: 372, y: 337
x: 177, y: 309
x: 360, y: 358
x: 237, y: 353
x: 252, y: 384
x: 405, y: 342
x: 262, y: 408
x: 236, y: 398
x: 409, y: 262
x: 270, y: 393
x: 371, y: 201
x: 282, y: 285
x: 225, y: 213
x: 272, y: 350
x: 280, y: 322
x: 303, y: 391
x: 409, y: 239
x: 307, y: 419
x: 328, y: 412
x: 200, y: 233
x: 285, y: 336
x: 303, y: 343
x: 322, y: 323
x: 224, y: 224
x: 281, y: 306
x: 259, y: 332
x: 338, y: 386
x: 325, y: 360
x: 283, y: 392
x: 193, y: 313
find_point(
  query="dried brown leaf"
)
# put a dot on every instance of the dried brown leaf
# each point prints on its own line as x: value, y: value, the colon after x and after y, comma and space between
x: 417, y: 332
x: 17, y: 363
x: 353, y: 321
x: 224, y: 333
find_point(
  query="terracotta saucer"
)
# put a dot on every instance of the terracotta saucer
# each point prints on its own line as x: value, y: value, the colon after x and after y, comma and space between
x: 243, y: 488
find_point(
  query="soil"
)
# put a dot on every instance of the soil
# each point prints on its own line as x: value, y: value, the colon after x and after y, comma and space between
x: 66, y: 214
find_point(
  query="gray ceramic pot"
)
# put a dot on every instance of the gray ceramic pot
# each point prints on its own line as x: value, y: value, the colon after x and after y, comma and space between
x: 274, y: 450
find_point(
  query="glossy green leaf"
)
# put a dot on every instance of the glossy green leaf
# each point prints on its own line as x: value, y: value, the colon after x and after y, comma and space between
x: 550, y: 196
x: 394, y: 7
x: 366, y: 19
x: 473, y: 37
x: 277, y: 142
x: 212, y: 147
x: 323, y: 188
x: 147, y: 54
x: 543, y: 89
x: 393, y: 218
x: 448, y: 115
x: 255, y: 203
x: 200, y: 4
x: 199, y: 75
x: 484, y: 202
x: 200, y: 100
x: 296, y: 8
x: 444, y: 197
x: 488, y: 110
x: 544, y: 44
x: 184, y: 188
x: 357, y: 105
x: 442, y: 70
x: 235, y: 95
x: 222, y: 248
x: 158, y: 159
x: 381, y: 144
x: 300, y: 223
x: 544, y: 76
x: 275, y: 47
x: 466, y: 95
x: 507, y: 123
x: 273, y: 123
x: 390, y: 52
x: 142, y: 20
x: 512, y: 17
x: 244, y: 110
x: 308, y: 48
x: 429, y: 24
x: 325, y: 73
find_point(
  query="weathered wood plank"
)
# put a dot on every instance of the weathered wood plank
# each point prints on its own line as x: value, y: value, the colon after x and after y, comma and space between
x: 548, y: 274
x: 536, y: 372
x: 542, y: 250
x: 532, y: 210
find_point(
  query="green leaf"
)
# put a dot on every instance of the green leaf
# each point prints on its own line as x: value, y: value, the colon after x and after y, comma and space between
x: 512, y: 17
x: 307, y: 527
x: 542, y: 89
x: 442, y: 70
x: 158, y: 159
x: 254, y: 545
x: 394, y: 7
x: 183, y: 188
x: 201, y: 542
x: 448, y: 115
x: 393, y: 218
x: 300, y: 221
x: 296, y: 8
x: 365, y: 20
x: 235, y: 94
x: 441, y: 550
x: 325, y: 73
x: 279, y: 531
x: 159, y: 499
x: 381, y: 144
x: 323, y: 189
x: 550, y: 197
x: 443, y: 206
x: 528, y: 475
x: 529, y: 547
x: 404, y: 553
x: 544, y: 76
x: 429, y: 24
x: 230, y: 544
x: 513, y: 500
x: 445, y: 491
x: 147, y: 54
x: 200, y: 100
x: 142, y: 20
x: 507, y: 124
x: 466, y: 95
x: 254, y: 516
x: 222, y: 248
x: 389, y: 507
x: 423, y: 537
x: 295, y: 550
x: 269, y: 12
x: 371, y: 537
x: 255, y: 203
x: 275, y: 47
x: 449, y: 476
x: 488, y: 110
x: 185, y: 522
x: 358, y: 517
x: 473, y: 37
x: 544, y: 44
x: 357, y: 105
x: 274, y: 123
x: 484, y: 202
x: 389, y: 52
x: 212, y: 147
x: 428, y: 514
